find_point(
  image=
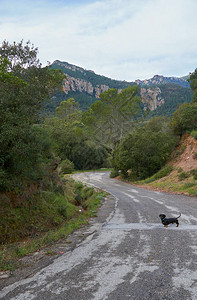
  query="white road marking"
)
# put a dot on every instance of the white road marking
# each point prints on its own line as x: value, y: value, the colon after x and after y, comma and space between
x: 132, y: 197
x: 148, y: 226
x: 134, y: 191
x: 157, y: 201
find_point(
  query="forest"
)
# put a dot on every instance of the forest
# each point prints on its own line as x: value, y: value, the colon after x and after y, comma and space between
x: 37, y: 149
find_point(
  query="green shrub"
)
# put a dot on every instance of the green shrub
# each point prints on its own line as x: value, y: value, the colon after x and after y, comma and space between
x: 179, y: 170
x: 165, y: 171
x: 183, y: 176
x: 193, y: 171
x: 194, y: 134
x: 178, y: 151
x: 78, y: 187
x: 67, y: 166
x: 78, y: 198
x: 189, y: 184
x: 184, y: 119
x: 87, y: 192
x: 114, y: 173
x: 146, y: 150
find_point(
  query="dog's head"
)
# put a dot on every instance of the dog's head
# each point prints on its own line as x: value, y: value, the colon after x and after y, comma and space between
x: 162, y: 216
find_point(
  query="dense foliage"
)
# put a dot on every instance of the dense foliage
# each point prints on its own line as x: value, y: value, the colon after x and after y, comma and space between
x: 185, y: 118
x: 193, y: 83
x: 72, y: 140
x: 85, y: 101
x: 24, y: 86
x: 144, y: 151
x: 111, y: 117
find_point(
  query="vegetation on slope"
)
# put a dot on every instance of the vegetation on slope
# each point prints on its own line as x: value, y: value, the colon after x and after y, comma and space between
x: 150, y: 147
x: 180, y: 174
x: 43, y: 218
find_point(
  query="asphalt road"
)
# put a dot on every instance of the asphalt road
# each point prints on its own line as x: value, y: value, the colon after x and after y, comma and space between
x: 131, y: 256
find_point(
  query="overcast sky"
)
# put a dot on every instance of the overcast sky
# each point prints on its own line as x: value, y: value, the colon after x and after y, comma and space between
x: 121, y: 39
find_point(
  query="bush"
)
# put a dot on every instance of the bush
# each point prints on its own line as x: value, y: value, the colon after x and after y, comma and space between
x: 165, y: 171
x: 183, y: 176
x: 194, y: 134
x: 179, y: 170
x: 185, y: 118
x: 194, y: 173
x: 146, y: 150
x: 67, y: 166
x: 114, y: 174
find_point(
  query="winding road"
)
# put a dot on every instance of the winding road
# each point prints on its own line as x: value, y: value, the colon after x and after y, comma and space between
x: 130, y: 256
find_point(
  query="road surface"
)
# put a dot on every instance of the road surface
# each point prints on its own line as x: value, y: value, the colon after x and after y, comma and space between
x: 132, y: 256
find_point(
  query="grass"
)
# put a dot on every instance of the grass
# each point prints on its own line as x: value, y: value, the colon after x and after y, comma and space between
x: 46, y: 218
x: 165, y: 171
x: 176, y: 182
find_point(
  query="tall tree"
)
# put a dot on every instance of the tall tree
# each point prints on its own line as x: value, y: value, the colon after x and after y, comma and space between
x: 193, y: 83
x: 24, y: 86
x: 146, y: 150
x: 111, y: 117
x: 71, y: 137
x: 184, y: 119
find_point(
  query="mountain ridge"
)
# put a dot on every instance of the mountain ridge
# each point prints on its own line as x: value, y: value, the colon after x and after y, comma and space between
x: 160, y: 79
x: 85, y: 87
x: 155, y: 80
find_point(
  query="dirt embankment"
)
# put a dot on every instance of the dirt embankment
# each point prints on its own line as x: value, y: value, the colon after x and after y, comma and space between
x: 182, y: 179
x: 187, y: 160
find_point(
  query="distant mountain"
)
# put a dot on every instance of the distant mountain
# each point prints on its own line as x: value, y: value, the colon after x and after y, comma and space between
x: 160, y: 94
x: 158, y: 80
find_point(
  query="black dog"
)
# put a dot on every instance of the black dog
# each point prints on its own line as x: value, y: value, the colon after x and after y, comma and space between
x: 166, y: 221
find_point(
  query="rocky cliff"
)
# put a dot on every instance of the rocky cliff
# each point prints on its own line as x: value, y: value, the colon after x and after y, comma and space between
x: 75, y: 84
x: 151, y: 98
x: 154, y: 95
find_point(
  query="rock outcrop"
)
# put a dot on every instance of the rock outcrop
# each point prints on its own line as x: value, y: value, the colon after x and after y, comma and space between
x: 87, y: 82
x: 76, y: 84
x: 151, y: 98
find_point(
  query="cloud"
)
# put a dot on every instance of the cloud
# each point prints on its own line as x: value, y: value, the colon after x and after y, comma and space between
x: 122, y: 39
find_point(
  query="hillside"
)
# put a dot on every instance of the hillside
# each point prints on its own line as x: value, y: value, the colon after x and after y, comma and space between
x: 183, y: 178
x: 159, y: 94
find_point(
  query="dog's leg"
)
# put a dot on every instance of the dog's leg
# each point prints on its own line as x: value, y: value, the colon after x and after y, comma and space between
x: 165, y: 225
x: 177, y: 223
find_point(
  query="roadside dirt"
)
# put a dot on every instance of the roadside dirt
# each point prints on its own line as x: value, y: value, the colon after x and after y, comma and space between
x: 186, y: 160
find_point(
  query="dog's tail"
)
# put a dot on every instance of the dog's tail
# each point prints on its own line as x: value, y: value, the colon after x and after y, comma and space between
x: 179, y: 216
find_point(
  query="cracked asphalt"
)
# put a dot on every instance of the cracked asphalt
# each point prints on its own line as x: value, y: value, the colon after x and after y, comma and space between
x: 125, y: 253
